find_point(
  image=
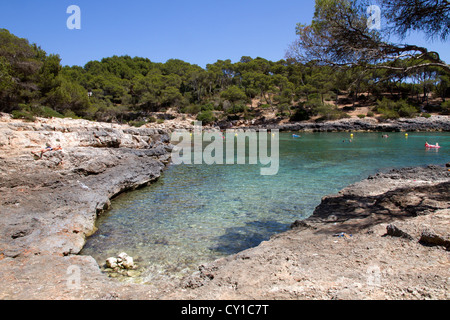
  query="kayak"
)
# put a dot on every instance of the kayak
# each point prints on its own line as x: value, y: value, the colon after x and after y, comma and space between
x: 431, y: 146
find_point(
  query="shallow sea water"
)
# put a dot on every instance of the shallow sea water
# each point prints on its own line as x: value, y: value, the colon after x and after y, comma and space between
x: 198, y: 213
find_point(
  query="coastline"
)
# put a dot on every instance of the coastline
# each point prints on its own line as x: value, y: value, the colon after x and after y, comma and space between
x: 434, y: 123
x: 49, y: 206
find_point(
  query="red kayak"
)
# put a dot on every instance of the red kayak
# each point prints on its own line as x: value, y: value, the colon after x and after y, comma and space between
x: 431, y: 146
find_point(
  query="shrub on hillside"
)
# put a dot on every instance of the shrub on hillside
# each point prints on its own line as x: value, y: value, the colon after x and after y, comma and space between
x: 192, y: 109
x: 206, y: 117
x: 207, y: 106
x: 406, y: 110
x: 237, y: 108
x: 300, y: 115
x: 389, y: 109
x: 29, y: 113
x: 137, y: 123
x: 445, y: 108
x: 70, y: 114
x: 46, y: 112
x: 25, y: 115
x: 330, y: 112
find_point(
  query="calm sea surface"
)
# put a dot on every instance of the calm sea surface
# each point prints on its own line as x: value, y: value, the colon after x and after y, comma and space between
x: 198, y: 213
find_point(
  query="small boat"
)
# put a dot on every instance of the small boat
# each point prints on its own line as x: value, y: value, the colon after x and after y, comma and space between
x: 432, y: 146
x: 295, y: 136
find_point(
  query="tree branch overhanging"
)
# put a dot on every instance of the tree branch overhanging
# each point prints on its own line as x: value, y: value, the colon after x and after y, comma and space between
x: 340, y: 37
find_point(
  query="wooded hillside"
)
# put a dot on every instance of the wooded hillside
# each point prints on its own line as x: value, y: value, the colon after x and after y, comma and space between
x: 126, y: 89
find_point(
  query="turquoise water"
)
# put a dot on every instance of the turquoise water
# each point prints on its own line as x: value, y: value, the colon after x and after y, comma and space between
x: 198, y: 213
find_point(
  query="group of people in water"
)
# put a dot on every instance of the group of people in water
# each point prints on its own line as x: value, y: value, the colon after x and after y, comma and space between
x: 386, y: 136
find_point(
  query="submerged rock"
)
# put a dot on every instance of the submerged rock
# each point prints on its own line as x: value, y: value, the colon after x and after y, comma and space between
x: 122, y: 261
x: 125, y: 261
x: 111, y: 263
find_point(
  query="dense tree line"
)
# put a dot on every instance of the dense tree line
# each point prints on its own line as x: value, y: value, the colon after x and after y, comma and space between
x: 33, y: 83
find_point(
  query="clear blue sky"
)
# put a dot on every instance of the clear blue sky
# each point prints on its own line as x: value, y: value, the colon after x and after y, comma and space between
x: 196, y: 31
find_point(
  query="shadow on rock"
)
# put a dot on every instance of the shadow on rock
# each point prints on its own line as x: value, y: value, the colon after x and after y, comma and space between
x: 353, y: 213
x: 237, y: 239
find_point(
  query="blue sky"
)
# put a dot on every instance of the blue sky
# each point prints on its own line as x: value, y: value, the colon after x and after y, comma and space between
x: 196, y: 31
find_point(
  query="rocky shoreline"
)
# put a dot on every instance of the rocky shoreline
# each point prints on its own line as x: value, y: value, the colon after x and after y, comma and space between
x: 49, y: 206
x: 433, y: 123
x: 50, y: 201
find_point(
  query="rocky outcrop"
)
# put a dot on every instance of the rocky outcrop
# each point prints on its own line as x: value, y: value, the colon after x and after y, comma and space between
x: 385, y: 197
x: 18, y: 136
x: 434, y: 123
x: 49, y: 205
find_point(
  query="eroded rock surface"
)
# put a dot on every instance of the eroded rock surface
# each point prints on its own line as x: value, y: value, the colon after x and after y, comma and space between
x: 49, y: 205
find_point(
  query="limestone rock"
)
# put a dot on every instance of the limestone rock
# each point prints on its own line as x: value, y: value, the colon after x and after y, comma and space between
x: 59, y: 195
x: 122, y: 261
x: 112, y: 263
x: 126, y: 261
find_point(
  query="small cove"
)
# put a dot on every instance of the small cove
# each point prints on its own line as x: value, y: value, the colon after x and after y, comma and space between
x: 197, y: 213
